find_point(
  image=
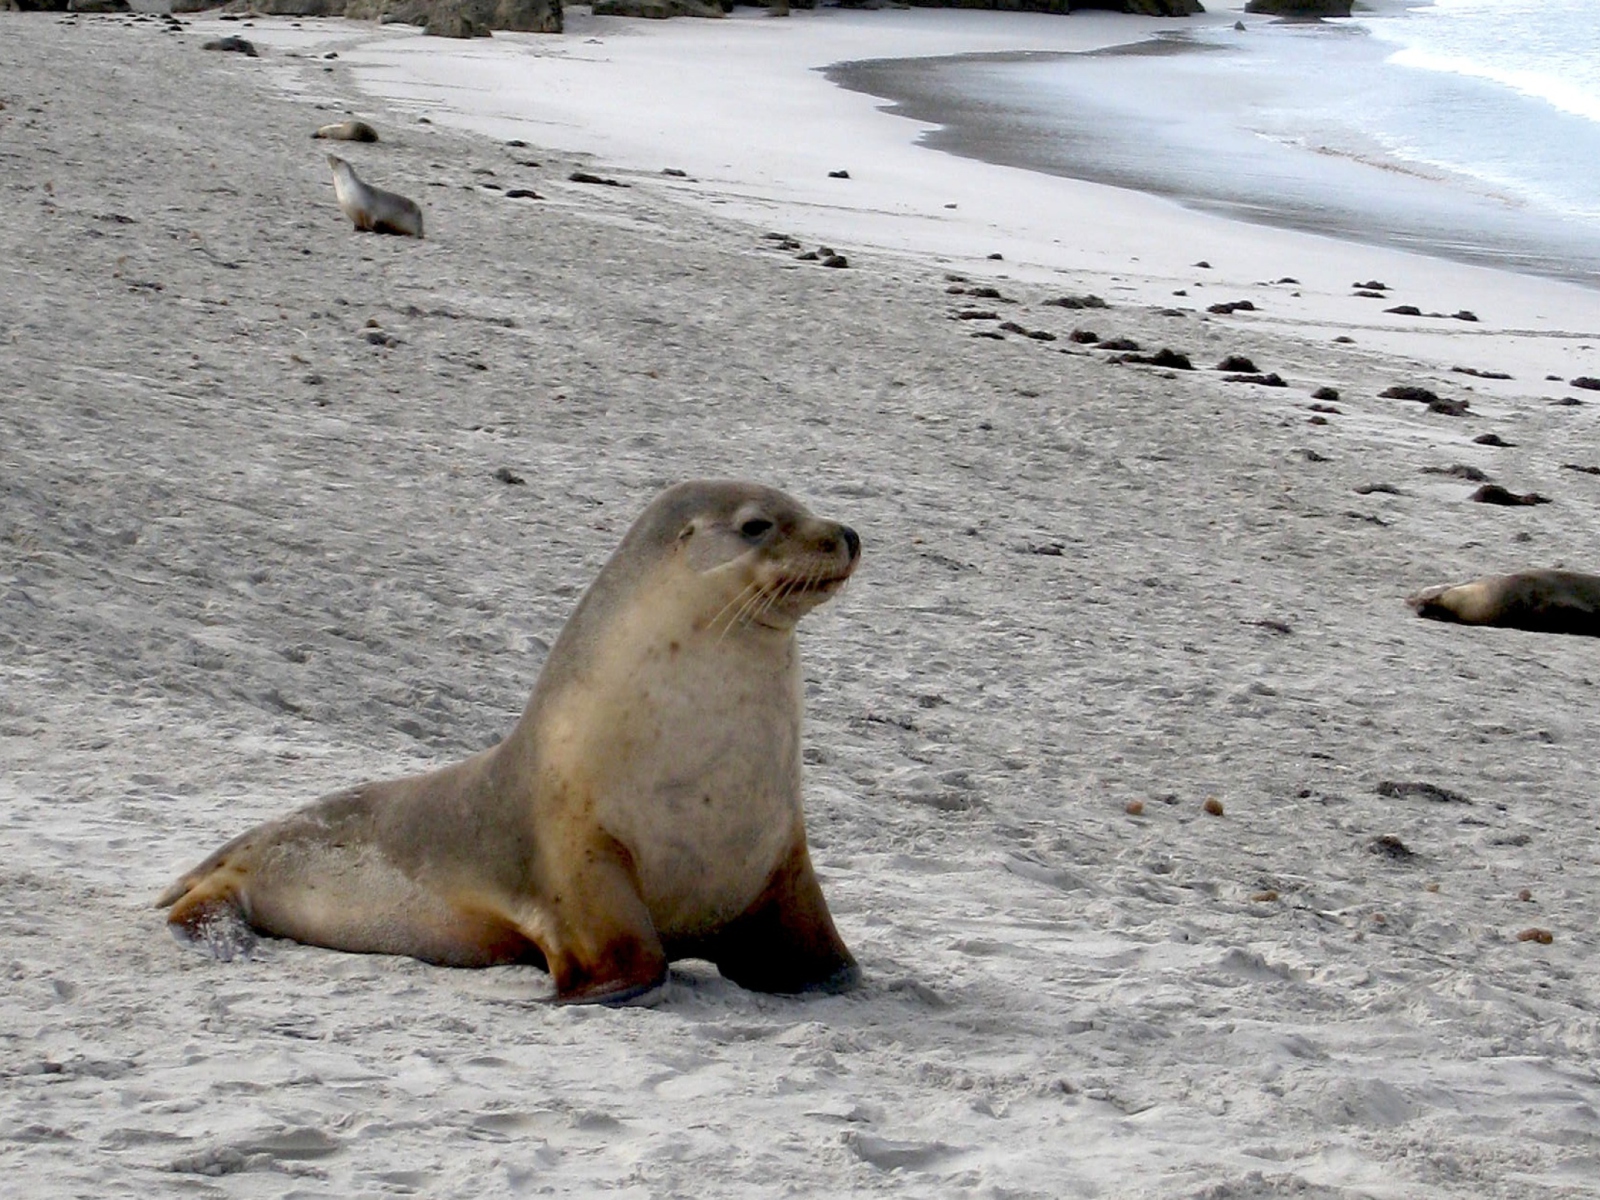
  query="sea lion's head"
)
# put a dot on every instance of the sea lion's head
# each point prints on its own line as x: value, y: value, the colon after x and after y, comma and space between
x: 759, y: 554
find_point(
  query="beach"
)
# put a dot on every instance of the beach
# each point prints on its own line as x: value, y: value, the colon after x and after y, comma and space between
x: 286, y: 507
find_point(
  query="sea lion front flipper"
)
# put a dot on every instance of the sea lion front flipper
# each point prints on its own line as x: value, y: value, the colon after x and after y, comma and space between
x: 786, y: 940
x: 608, y: 951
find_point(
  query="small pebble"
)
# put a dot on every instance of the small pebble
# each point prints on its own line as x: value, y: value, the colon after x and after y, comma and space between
x: 1134, y: 808
x: 1213, y: 806
x: 1266, y: 897
x: 1525, y: 895
x: 1543, y: 936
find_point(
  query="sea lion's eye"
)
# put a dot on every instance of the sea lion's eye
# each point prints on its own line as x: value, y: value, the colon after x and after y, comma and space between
x: 755, y: 528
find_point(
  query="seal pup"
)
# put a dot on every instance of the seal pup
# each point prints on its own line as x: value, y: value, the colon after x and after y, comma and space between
x: 373, y: 209
x: 348, y: 131
x: 1540, y: 601
x: 645, y: 808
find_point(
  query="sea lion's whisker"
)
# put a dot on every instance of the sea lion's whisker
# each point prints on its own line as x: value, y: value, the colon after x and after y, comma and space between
x: 749, y: 596
x: 739, y: 599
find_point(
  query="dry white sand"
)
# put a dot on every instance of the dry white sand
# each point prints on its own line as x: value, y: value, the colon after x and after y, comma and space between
x: 253, y: 548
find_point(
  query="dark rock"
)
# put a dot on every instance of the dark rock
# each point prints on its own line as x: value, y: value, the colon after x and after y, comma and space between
x: 1387, y: 489
x: 1327, y: 408
x: 288, y: 8
x: 996, y: 257
x: 1236, y: 362
x: 675, y: 172
x: 1077, y: 302
x: 1083, y: 337
x: 1369, y: 295
x: 1405, y: 310
x: 1458, y: 471
x: 1477, y: 374
x: 1419, y: 790
x: 985, y: 293
x: 1465, y: 315
x: 1449, y: 408
x: 1300, y: 9
x: 838, y: 174
x: 1493, y: 493
x: 1041, y: 335
x: 1372, y: 285
x: 1231, y: 306
x: 523, y: 194
x: 1492, y: 439
x: 1587, y: 382
x: 1172, y: 359
x: 507, y: 475
x: 235, y: 45
x: 1013, y: 327
x: 1580, y: 467
x: 586, y: 177
x: 1568, y: 402
x: 1271, y: 379
x: 836, y: 261
x: 457, y: 19
x: 1407, y: 391
x: 977, y: 314
x: 657, y: 10
x: 1389, y: 846
x: 1325, y: 393
x: 464, y: 18
x: 1203, y: 265
x: 1175, y: 359
x: 1119, y: 344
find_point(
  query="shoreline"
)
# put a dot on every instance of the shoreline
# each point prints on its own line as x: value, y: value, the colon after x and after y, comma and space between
x: 600, y: 91
x: 1324, y: 193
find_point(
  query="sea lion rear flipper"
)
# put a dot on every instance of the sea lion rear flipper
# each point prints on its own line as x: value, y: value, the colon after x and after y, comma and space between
x: 609, y: 951
x: 786, y: 941
x: 212, y: 923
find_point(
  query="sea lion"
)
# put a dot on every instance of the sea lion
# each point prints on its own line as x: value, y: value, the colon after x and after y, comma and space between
x: 348, y: 131
x: 373, y: 209
x: 645, y: 808
x: 1541, y: 601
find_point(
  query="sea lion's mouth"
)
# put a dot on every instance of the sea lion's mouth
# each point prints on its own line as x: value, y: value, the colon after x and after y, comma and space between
x: 809, y: 586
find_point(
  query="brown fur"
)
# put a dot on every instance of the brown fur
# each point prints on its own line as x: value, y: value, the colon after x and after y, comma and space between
x: 645, y: 808
x: 1539, y: 601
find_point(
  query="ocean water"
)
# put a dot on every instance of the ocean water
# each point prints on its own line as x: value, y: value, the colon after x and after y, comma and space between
x: 1468, y: 129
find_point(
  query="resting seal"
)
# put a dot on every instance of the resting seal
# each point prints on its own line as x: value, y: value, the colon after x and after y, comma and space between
x: 373, y: 209
x: 348, y: 131
x: 645, y: 808
x: 1541, y: 601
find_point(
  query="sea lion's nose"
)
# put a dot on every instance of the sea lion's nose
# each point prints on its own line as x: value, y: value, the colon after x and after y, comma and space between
x: 852, y: 541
